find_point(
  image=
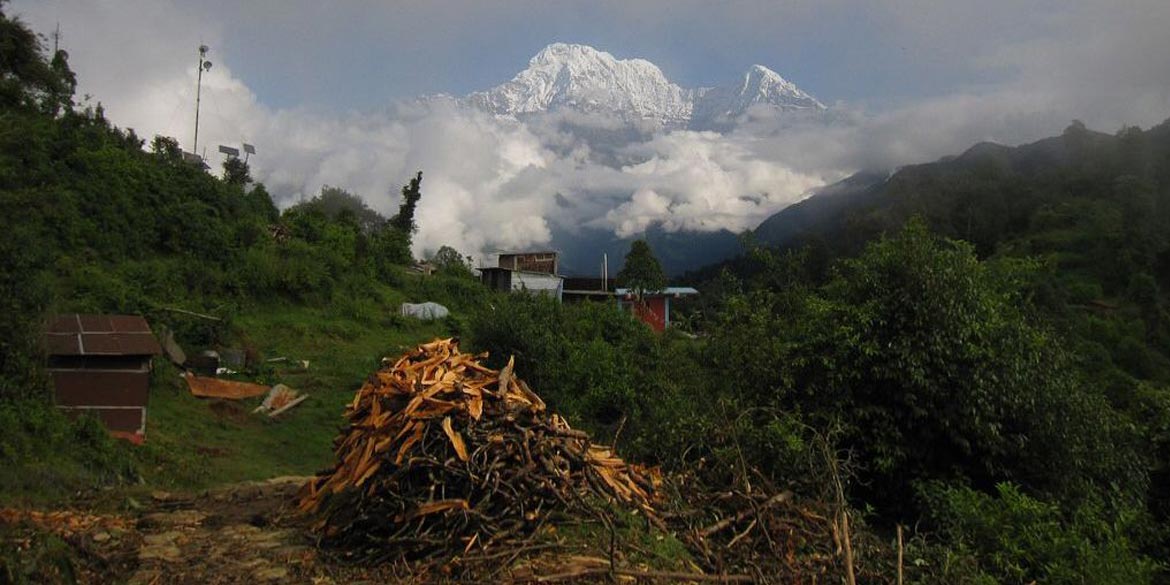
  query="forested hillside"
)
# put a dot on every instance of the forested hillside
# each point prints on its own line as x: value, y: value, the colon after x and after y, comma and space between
x: 1089, y: 212
x: 93, y: 222
x: 1074, y: 230
x: 974, y: 351
x: 1092, y: 205
x: 983, y: 339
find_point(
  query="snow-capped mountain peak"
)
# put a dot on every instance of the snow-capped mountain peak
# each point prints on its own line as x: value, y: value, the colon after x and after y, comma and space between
x: 722, y: 106
x: 583, y: 78
x: 768, y: 86
x: 569, y: 54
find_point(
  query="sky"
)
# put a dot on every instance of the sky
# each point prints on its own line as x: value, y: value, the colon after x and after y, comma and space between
x: 324, y: 90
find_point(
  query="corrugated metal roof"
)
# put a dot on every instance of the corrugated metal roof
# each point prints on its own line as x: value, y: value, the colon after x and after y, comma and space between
x: 76, y: 334
x: 670, y: 290
x: 516, y: 270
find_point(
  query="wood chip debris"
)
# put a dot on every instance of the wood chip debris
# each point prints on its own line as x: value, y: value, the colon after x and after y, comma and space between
x: 279, y: 400
x: 205, y: 387
x: 63, y: 523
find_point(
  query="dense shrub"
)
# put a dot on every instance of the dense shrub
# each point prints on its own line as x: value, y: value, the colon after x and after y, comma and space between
x: 57, y: 455
x: 601, y: 369
x: 1010, y: 537
x: 933, y: 364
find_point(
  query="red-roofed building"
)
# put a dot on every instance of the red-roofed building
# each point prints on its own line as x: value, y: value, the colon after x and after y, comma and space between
x: 101, y: 364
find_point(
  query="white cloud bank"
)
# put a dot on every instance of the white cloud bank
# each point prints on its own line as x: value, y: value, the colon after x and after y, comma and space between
x: 499, y: 184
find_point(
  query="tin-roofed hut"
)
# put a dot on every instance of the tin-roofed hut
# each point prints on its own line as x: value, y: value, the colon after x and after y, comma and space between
x: 101, y: 364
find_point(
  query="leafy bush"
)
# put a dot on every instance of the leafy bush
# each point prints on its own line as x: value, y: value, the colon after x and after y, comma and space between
x: 1010, y: 537
x: 57, y: 455
x: 47, y: 559
x: 930, y: 358
x: 450, y: 262
x: 458, y: 293
x: 601, y: 369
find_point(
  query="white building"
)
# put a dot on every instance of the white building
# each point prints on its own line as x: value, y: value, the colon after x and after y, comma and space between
x: 531, y: 272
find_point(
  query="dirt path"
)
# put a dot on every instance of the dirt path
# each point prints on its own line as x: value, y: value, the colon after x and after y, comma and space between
x: 243, y: 533
x: 249, y: 533
x: 239, y: 534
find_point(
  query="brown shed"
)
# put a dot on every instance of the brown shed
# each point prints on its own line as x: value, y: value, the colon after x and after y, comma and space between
x: 101, y: 364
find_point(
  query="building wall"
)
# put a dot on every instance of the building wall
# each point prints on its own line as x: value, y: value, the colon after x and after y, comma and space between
x: 497, y: 279
x: 653, y: 311
x: 116, y: 392
x: 537, y: 283
x: 535, y: 262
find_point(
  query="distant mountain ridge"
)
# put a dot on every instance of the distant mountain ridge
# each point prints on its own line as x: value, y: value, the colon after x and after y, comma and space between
x: 585, y: 79
x: 986, y: 195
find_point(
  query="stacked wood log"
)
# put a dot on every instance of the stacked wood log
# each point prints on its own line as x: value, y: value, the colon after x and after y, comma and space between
x: 443, y: 455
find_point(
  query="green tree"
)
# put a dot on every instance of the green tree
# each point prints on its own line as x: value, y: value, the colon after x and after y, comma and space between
x: 236, y: 171
x: 25, y: 293
x: 449, y: 261
x: 1011, y: 537
x: 27, y: 79
x: 337, y: 204
x: 1144, y: 292
x: 932, y: 363
x: 932, y: 357
x: 167, y: 148
x: 388, y: 248
x: 260, y: 203
x: 641, y: 272
x: 599, y: 368
x: 59, y: 95
x: 404, y: 221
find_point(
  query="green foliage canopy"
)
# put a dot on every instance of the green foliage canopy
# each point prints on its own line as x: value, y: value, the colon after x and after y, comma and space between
x: 929, y: 357
x: 449, y: 261
x: 404, y: 220
x: 642, y: 272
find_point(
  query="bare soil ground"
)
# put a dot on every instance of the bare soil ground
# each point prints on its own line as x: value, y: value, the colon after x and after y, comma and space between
x: 243, y: 533
x: 250, y: 533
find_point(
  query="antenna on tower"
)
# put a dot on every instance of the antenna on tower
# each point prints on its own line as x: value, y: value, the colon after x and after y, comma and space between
x: 204, y: 65
x: 56, y: 39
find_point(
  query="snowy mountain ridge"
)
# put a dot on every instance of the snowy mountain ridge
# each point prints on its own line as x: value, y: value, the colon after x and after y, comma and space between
x: 583, y: 78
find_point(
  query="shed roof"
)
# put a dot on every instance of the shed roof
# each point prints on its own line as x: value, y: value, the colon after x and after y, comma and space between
x: 527, y: 252
x: 519, y: 271
x: 676, y: 291
x: 108, y: 335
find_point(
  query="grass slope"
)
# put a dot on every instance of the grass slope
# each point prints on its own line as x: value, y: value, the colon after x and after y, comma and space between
x: 196, y: 443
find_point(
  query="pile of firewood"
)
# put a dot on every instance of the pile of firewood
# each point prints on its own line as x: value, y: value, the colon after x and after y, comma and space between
x: 443, y: 455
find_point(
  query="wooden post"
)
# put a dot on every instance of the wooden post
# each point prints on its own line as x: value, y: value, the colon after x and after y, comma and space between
x: 849, y: 576
x: 899, y: 554
x: 842, y: 511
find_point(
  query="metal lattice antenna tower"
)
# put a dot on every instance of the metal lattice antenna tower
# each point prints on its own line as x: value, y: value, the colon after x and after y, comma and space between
x: 56, y: 39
